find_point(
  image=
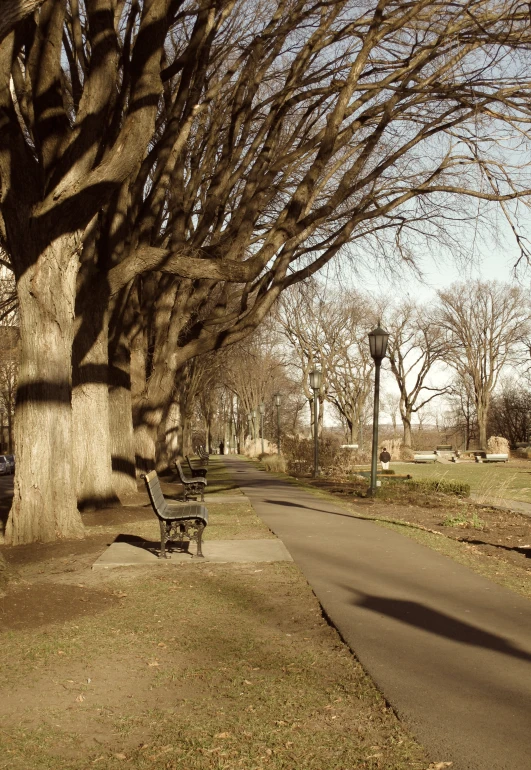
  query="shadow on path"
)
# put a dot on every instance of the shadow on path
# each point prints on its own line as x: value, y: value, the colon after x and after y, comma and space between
x: 420, y: 616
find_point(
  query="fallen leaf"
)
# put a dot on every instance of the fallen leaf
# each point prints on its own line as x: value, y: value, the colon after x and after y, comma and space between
x: 98, y: 759
x: 440, y: 765
x: 80, y: 699
x: 120, y: 756
x: 222, y: 735
x: 61, y: 652
x: 154, y: 663
x: 246, y: 681
x: 161, y: 644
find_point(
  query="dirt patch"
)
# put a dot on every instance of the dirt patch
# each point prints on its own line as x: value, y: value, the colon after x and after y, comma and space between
x: 35, y: 605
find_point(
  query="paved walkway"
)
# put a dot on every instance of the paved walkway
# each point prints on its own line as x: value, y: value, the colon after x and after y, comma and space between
x: 450, y: 650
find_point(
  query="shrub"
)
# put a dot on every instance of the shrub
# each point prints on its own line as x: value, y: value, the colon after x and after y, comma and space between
x: 333, y: 460
x: 524, y: 452
x: 498, y: 445
x: 274, y: 463
x: 444, y: 486
x: 462, y: 521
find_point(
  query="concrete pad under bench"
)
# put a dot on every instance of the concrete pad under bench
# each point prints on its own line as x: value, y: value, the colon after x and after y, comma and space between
x: 124, y: 554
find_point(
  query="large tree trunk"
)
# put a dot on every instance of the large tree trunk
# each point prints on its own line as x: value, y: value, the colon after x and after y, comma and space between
x: 406, y: 421
x: 44, y: 503
x: 121, y: 418
x: 90, y: 406
x: 170, y: 444
x: 482, y: 408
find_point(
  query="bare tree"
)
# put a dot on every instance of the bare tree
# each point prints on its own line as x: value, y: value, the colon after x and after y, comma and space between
x: 391, y: 404
x: 510, y: 413
x: 415, y: 344
x: 240, y: 152
x: 485, y: 324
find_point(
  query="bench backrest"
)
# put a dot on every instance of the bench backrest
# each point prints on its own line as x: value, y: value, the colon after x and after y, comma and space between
x: 180, y: 472
x: 160, y: 506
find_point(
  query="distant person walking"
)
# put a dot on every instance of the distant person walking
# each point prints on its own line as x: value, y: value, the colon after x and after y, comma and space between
x: 385, y: 459
x: 221, y: 448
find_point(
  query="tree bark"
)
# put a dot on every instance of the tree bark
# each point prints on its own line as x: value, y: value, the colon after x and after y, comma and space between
x: 121, y: 412
x: 121, y: 419
x: 90, y: 405
x: 406, y: 421
x: 482, y: 410
x: 44, y: 503
x: 13, y: 11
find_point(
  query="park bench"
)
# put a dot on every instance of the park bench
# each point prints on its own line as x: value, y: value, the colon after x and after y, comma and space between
x: 198, y: 471
x: 191, y: 486
x: 177, y: 520
x: 424, y: 457
x: 484, y: 457
x: 444, y: 448
x: 202, y: 454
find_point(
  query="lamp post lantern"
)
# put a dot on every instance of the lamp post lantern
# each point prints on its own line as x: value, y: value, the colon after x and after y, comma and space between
x: 378, y: 346
x: 277, y: 404
x: 315, y: 385
x: 261, y: 409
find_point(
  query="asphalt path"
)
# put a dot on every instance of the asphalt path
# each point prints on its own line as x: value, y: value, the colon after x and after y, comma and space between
x: 450, y: 650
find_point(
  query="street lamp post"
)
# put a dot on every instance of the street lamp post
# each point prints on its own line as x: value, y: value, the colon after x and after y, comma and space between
x: 315, y: 385
x: 277, y: 404
x: 261, y: 408
x: 378, y: 346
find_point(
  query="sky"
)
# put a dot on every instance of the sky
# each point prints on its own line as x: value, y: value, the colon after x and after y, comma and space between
x: 493, y: 255
x: 494, y: 261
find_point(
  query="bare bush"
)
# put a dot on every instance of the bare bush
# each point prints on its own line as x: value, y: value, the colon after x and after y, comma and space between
x: 498, y: 445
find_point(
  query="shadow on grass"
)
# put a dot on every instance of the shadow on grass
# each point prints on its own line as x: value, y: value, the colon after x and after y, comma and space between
x: 523, y: 549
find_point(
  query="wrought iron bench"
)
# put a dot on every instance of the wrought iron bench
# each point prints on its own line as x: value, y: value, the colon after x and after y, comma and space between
x: 191, y: 486
x: 202, y: 454
x: 199, y: 472
x: 177, y: 520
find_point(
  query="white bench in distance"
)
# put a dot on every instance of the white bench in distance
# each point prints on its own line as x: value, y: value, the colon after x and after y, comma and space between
x: 425, y: 458
x: 501, y: 458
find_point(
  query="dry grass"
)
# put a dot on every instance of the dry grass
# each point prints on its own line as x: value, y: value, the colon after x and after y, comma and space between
x: 191, y: 666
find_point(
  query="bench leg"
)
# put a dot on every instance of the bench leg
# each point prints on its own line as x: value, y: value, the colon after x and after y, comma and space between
x: 199, y: 537
x: 163, y: 536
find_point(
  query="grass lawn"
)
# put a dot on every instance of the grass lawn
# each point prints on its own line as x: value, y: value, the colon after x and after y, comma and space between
x: 491, y: 481
x: 194, y: 666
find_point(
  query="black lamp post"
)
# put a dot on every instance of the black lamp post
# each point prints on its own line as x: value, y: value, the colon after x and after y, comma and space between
x: 378, y: 346
x: 315, y: 385
x: 277, y: 404
x: 261, y: 408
